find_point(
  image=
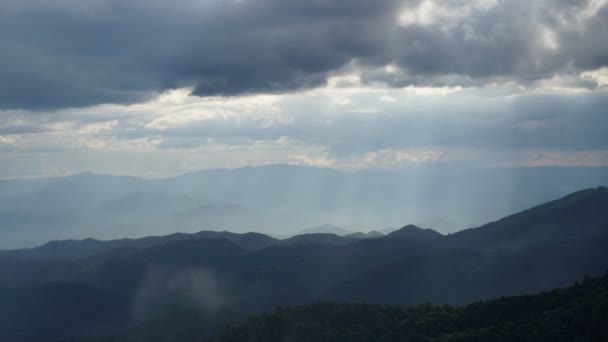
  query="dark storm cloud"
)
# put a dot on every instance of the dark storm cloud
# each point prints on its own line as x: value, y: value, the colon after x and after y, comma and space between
x: 68, y: 53
x: 515, y: 39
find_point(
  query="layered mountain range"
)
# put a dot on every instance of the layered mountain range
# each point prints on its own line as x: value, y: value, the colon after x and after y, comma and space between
x: 277, y: 200
x: 196, y: 284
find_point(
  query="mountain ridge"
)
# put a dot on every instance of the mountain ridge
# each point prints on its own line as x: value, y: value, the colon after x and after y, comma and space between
x: 275, y: 200
x: 521, y: 254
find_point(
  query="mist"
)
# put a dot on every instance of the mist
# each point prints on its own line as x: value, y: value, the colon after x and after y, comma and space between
x: 278, y: 200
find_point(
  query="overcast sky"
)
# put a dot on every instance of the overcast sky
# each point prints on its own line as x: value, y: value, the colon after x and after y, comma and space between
x: 156, y: 88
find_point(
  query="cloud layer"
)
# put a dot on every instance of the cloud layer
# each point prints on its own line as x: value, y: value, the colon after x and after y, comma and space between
x: 66, y: 53
x: 346, y: 127
x: 157, y: 88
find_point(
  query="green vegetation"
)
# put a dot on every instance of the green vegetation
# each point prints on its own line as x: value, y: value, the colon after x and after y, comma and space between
x: 577, y: 313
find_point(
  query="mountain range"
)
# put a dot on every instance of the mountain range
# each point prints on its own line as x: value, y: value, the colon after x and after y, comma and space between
x: 277, y: 200
x: 196, y: 284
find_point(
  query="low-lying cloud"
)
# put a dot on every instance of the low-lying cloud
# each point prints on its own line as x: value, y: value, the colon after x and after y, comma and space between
x: 164, y: 289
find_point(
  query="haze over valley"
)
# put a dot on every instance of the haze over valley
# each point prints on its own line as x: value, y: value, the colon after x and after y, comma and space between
x: 278, y: 200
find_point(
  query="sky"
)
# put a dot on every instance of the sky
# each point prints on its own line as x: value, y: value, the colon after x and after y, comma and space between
x: 159, y: 88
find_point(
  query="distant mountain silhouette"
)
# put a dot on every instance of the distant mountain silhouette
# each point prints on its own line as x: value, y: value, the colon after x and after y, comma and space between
x: 547, y: 246
x: 579, y: 215
x: 414, y: 232
x: 90, y: 247
x: 369, y: 235
x: 219, y: 277
x: 273, y: 199
x: 318, y: 238
x: 326, y: 229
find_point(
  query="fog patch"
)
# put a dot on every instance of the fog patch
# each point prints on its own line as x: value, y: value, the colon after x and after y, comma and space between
x: 164, y: 290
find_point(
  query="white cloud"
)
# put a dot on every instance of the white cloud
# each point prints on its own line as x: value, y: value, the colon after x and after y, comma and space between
x: 598, y: 76
x: 6, y: 140
x: 340, y: 127
x: 99, y: 127
x: 303, y: 159
x: 181, y: 118
x: 567, y: 158
x: 389, y: 158
x: 550, y: 39
x: 442, y: 13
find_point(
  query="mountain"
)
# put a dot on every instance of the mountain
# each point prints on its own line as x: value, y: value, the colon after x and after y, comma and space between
x: 191, y: 262
x: 273, y: 199
x: 62, y: 194
x: 369, y: 235
x: 414, y: 232
x: 577, y: 313
x: 52, y: 311
x: 318, y: 238
x: 90, y: 247
x: 579, y: 215
x: 154, y: 202
x: 546, y: 246
x: 131, y: 215
x: 538, y: 245
x: 326, y: 229
x: 218, y: 278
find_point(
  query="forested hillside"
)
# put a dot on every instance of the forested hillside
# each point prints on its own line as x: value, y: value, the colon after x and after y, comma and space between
x: 576, y: 313
x: 167, y: 287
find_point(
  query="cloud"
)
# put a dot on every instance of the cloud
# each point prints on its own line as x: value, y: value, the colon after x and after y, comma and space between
x: 569, y: 158
x: 65, y: 54
x: 350, y: 127
x: 462, y: 119
x: 303, y: 159
x: 162, y: 287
